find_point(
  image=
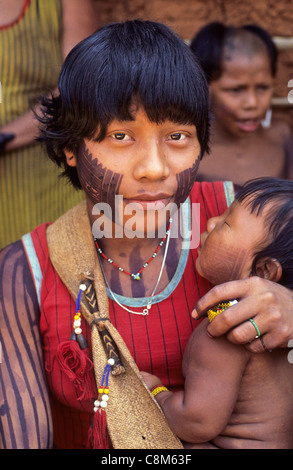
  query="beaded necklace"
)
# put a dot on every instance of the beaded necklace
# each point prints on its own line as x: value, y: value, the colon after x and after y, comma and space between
x: 137, y: 275
x: 150, y: 301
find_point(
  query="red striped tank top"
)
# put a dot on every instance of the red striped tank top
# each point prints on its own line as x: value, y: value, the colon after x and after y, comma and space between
x: 156, y: 342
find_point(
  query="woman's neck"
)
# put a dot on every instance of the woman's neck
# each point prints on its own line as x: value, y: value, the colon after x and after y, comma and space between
x: 122, y: 258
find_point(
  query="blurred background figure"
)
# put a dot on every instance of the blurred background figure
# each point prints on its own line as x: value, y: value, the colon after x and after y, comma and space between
x: 246, y: 142
x: 35, y: 37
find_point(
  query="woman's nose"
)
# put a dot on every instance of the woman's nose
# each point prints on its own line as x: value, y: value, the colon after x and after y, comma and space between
x: 152, y: 163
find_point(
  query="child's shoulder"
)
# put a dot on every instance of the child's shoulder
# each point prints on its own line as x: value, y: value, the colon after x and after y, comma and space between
x: 280, y: 128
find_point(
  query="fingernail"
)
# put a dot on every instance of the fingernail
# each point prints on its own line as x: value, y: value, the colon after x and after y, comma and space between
x: 194, y: 314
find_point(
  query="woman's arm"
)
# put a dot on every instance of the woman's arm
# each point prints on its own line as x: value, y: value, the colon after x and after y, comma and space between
x: 268, y: 303
x: 79, y: 20
x: 25, y: 415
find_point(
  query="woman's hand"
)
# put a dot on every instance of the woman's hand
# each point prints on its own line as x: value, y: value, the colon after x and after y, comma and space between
x: 269, y: 304
x: 151, y: 380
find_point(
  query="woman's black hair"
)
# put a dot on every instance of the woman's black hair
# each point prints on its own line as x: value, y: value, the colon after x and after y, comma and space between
x: 209, y: 42
x: 278, y: 193
x: 104, y: 73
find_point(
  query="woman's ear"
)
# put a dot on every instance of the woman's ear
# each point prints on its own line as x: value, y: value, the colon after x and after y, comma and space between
x: 70, y: 158
x: 269, y: 268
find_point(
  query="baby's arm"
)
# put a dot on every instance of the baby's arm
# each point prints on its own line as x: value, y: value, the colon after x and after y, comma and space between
x: 213, y: 370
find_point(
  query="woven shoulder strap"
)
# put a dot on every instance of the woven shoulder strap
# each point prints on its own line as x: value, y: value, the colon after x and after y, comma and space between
x: 134, y: 418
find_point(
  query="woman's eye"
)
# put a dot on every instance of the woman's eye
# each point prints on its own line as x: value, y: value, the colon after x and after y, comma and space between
x: 177, y: 136
x: 120, y: 136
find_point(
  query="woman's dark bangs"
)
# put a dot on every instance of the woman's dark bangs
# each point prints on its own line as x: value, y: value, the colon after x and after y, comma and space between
x: 175, y: 100
x: 162, y: 93
x: 105, y: 78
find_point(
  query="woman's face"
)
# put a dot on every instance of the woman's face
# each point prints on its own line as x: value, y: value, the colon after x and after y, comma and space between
x: 151, y: 165
x: 242, y: 94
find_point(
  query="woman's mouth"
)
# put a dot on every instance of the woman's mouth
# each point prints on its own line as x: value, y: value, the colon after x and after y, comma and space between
x: 149, y: 201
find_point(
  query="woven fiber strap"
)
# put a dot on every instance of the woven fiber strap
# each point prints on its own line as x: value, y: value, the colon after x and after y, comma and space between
x: 134, y: 418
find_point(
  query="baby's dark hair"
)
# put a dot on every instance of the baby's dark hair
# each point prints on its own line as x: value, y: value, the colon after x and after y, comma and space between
x: 209, y: 43
x: 257, y: 194
x: 103, y: 74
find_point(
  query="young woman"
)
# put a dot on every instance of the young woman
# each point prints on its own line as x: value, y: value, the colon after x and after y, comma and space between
x: 130, y: 124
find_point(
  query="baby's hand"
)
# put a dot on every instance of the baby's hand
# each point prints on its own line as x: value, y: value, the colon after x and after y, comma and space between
x: 151, y: 380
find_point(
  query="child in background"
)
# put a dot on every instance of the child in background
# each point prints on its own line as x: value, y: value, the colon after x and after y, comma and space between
x: 233, y: 398
x: 240, y: 66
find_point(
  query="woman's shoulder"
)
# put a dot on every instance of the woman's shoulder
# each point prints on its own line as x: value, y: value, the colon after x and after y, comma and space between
x: 215, y: 196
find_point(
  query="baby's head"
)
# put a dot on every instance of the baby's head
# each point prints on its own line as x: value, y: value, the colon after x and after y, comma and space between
x: 253, y: 237
x: 240, y: 66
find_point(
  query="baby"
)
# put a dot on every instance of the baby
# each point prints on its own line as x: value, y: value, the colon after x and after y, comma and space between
x: 233, y: 399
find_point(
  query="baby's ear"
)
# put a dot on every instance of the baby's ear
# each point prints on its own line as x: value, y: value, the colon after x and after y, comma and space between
x: 70, y: 158
x: 269, y: 268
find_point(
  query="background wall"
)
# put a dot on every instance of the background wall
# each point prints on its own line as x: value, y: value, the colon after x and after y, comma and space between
x: 187, y: 16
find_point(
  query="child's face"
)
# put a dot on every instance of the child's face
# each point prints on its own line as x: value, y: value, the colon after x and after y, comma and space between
x: 229, y: 243
x: 242, y: 95
x: 146, y: 163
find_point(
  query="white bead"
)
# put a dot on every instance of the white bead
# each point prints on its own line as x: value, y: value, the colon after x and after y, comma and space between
x: 103, y: 404
x: 77, y: 331
x: 82, y: 286
x: 105, y: 397
x: 97, y: 403
x: 76, y: 323
x: 111, y: 361
x: 96, y: 409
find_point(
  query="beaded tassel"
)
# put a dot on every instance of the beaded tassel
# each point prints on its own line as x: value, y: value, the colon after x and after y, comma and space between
x: 103, y: 390
x: 98, y: 437
x: 77, y: 331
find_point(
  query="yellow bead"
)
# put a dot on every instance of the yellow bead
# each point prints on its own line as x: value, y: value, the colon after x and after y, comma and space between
x: 77, y: 316
x: 212, y: 314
